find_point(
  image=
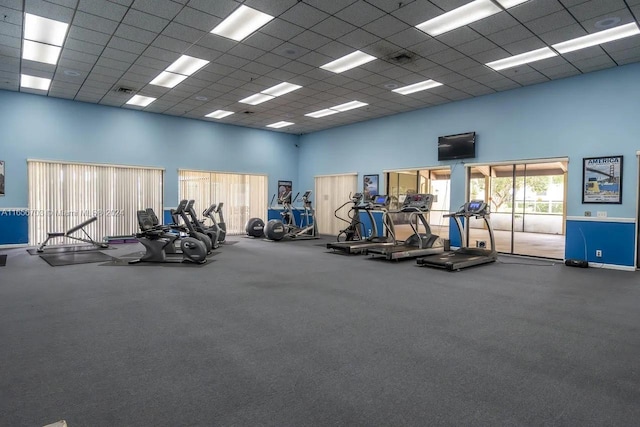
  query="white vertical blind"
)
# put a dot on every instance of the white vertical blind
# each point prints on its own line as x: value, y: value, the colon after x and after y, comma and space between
x: 244, y: 195
x: 63, y: 195
x: 331, y: 192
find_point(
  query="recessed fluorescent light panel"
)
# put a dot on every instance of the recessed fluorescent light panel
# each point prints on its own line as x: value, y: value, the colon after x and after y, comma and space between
x: 140, y: 101
x: 417, y: 87
x: 464, y: 15
x: 182, y: 68
x: 348, y: 62
x: 167, y: 79
x: 242, y: 22
x: 44, y: 30
x: 256, y: 99
x: 43, y: 39
x: 281, y: 89
x: 33, y: 82
x: 186, y: 65
x: 219, y: 114
x: 270, y: 93
x: 322, y: 113
x: 349, y: 106
x: 337, y: 109
x: 280, y: 125
x: 600, y: 37
x: 40, y: 52
x: 523, y: 58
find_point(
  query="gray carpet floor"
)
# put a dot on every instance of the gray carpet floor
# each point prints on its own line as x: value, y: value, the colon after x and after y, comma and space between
x: 287, y: 334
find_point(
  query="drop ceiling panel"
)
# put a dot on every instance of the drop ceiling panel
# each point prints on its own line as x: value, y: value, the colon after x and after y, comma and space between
x: 128, y: 43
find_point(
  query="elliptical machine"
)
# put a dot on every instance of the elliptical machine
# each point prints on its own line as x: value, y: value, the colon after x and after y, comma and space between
x: 353, y: 232
x: 277, y: 229
x: 216, y: 223
x: 212, y: 232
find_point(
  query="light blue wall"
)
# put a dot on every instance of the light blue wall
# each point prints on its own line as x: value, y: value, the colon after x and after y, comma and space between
x: 584, y: 116
x: 39, y: 127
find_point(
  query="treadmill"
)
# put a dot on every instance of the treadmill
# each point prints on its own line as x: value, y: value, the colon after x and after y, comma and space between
x: 465, y: 256
x: 378, y: 203
x: 419, y: 243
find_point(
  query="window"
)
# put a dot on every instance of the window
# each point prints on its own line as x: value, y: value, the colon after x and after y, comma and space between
x: 63, y: 195
x: 244, y: 195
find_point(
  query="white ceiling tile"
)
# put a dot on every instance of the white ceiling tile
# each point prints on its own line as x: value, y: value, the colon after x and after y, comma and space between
x: 86, y: 35
x: 81, y: 46
x: 78, y: 56
x: 104, y: 9
x: 554, y: 21
x: 135, y: 34
x: 171, y: 44
x: 48, y: 10
x: 297, y: 67
x: 164, y: 8
x: 535, y: 9
x: 126, y: 45
x: 304, y: 15
x: 221, y: 9
x: 145, y: 21
x: 359, y: 38
x: 183, y: 32
x: 385, y: 26
x: 246, y: 52
x: 197, y: 19
x: 118, y: 55
x: 458, y: 36
x: 95, y: 23
x: 315, y: 59
x: 333, y: 27
x: 272, y: 60
x: 310, y: 40
x: 593, y: 8
x: 272, y: 7
x: 232, y: 61
x: 494, y: 23
x: 281, y: 29
x: 416, y: 12
x: 262, y: 41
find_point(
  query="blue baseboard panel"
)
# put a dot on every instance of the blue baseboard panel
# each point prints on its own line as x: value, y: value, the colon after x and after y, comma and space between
x: 14, y: 226
x: 454, y: 233
x: 615, y: 237
x: 367, y: 227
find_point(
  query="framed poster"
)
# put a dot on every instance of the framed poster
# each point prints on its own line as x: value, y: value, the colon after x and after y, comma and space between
x: 284, y: 188
x: 370, y: 186
x: 602, y: 179
x: 1, y: 178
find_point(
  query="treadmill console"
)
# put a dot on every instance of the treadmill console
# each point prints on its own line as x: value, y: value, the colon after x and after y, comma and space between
x: 420, y: 202
x: 475, y: 207
x: 380, y: 201
x: 357, y: 198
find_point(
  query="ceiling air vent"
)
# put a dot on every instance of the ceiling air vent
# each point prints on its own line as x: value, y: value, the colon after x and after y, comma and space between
x: 402, y: 58
x: 125, y: 90
x: 248, y: 112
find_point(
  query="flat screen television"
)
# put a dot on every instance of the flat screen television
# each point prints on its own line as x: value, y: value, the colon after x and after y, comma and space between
x: 460, y: 146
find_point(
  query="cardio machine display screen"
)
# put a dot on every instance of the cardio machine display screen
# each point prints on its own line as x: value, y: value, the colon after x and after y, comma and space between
x: 475, y: 206
x: 380, y: 200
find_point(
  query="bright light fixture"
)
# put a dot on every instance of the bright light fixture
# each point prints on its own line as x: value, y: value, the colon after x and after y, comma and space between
x: 40, y: 52
x: 510, y: 3
x: 281, y: 89
x: 219, y: 114
x: 322, y: 113
x: 140, y: 101
x: 44, y: 30
x: 464, y: 15
x: 349, y: 106
x: 167, y: 79
x: 186, y: 65
x: 417, y: 87
x: 256, y: 99
x: 34, y: 82
x: 242, y: 22
x: 280, y: 125
x: 337, y: 109
x: 523, y: 58
x: 348, y: 62
x: 600, y: 37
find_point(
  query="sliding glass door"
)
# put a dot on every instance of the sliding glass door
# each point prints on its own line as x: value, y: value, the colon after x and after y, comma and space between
x: 527, y: 205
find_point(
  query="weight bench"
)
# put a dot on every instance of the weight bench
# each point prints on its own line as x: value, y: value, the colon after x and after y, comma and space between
x: 68, y: 234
